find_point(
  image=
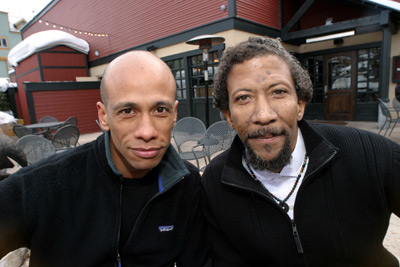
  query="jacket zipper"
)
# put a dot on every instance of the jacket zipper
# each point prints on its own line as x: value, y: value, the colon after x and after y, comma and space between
x: 119, y: 226
x: 294, y: 227
x: 118, y: 260
x: 293, y: 223
x: 140, y: 214
x: 297, y: 238
x: 155, y: 196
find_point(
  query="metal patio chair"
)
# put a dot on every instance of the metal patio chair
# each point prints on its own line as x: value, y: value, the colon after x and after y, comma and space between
x: 186, y: 133
x: 48, y: 119
x: 48, y: 132
x: 218, y: 138
x: 71, y: 121
x: 386, y: 111
x: 10, y: 150
x: 65, y: 137
x: 35, y: 147
x: 20, y: 130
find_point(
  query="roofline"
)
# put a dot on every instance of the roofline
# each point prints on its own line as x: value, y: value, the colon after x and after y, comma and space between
x: 39, y: 15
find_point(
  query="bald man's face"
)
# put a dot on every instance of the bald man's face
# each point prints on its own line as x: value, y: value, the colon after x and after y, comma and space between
x: 140, y: 115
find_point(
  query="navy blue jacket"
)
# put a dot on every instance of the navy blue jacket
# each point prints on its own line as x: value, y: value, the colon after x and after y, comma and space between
x: 67, y: 211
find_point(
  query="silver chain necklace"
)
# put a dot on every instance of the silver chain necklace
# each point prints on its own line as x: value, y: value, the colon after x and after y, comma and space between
x: 281, y: 203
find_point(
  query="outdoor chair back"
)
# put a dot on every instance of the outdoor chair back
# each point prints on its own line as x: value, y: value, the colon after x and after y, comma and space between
x: 218, y: 138
x: 66, y: 137
x: 186, y: 134
x: 71, y: 121
x: 35, y: 147
x: 9, y: 150
x: 48, y: 119
x: 396, y: 106
x: 386, y: 111
x: 21, y: 130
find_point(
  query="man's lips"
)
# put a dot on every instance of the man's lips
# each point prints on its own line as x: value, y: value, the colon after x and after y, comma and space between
x: 146, y: 153
x: 265, y: 139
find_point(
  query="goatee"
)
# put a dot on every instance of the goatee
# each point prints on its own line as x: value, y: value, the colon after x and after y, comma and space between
x: 275, y: 164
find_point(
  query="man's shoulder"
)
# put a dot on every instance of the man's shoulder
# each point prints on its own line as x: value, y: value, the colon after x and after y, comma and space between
x: 350, y: 137
x: 62, y: 163
x: 191, y: 168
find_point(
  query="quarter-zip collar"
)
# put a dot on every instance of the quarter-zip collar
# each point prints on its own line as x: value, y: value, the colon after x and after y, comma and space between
x: 319, y: 150
x: 172, y: 169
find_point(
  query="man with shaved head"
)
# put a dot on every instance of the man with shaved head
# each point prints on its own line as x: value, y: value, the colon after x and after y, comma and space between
x: 125, y: 199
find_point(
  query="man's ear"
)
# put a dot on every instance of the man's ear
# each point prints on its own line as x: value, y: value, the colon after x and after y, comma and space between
x: 102, y: 116
x: 301, y: 109
x: 227, y: 115
x: 175, y: 111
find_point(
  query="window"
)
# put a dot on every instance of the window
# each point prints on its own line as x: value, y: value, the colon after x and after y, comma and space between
x: 368, y: 61
x: 196, y: 67
x: 314, y: 65
x: 3, y: 42
x: 177, y: 67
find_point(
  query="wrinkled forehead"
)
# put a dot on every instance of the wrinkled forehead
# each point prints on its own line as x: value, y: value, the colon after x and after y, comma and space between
x: 142, y: 90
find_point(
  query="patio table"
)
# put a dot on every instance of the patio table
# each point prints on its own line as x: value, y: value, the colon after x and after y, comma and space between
x: 45, y: 126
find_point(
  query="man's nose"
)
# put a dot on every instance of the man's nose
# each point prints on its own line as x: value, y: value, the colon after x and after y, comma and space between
x: 264, y: 112
x: 146, y: 128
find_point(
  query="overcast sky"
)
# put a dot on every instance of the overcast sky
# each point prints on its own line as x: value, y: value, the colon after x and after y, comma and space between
x: 18, y: 9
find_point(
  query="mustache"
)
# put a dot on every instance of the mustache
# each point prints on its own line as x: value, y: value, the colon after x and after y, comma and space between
x: 267, y: 131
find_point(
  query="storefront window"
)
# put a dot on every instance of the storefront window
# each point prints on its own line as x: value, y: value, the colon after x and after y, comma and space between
x: 314, y: 66
x: 177, y: 67
x: 368, y: 74
x: 196, y: 67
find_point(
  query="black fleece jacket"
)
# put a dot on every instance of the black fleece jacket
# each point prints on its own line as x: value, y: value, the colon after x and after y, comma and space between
x: 341, y: 213
x: 67, y: 210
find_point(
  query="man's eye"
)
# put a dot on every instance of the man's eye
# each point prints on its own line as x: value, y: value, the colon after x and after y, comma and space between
x: 127, y: 111
x: 279, y: 92
x: 242, y: 98
x: 161, y: 110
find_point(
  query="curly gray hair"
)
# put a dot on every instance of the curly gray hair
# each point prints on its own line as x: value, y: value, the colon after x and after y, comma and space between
x: 258, y: 46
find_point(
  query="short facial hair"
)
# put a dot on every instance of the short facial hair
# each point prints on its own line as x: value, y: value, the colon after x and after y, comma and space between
x: 275, y: 164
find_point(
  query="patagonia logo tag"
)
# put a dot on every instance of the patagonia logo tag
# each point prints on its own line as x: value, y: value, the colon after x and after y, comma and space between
x: 165, y: 228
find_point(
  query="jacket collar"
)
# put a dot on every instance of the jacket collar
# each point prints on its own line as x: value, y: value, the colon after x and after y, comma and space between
x: 319, y: 150
x: 172, y: 168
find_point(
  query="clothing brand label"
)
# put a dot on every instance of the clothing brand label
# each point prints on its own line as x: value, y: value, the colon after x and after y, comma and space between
x: 166, y: 228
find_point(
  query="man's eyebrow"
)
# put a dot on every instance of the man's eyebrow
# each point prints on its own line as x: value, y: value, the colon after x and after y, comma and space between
x: 124, y: 105
x: 164, y: 103
x: 135, y: 105
x: 281, y: 83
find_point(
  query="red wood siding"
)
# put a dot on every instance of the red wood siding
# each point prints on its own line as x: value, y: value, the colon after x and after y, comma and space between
x: 260, y: 11
x: 26, y: 65
x: 67, y: 103
x: 62, y: 74
x: 58, y: 59
x: 18, y: 104
x: 129, y: 23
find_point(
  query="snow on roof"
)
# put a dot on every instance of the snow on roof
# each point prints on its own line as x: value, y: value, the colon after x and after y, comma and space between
x: 44, y: 40
x: 5, y: 83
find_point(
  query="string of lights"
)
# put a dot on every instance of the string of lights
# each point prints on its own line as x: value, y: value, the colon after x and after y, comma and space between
x: 76, y: 31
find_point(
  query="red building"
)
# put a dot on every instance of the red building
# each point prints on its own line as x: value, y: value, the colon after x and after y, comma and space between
x: 365, y: 51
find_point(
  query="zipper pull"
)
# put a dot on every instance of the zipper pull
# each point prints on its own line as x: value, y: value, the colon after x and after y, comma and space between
x: 297, y: 238
x: 119, y: 260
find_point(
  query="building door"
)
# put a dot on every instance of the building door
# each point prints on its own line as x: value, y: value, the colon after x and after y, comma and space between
x: 339, y: 87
